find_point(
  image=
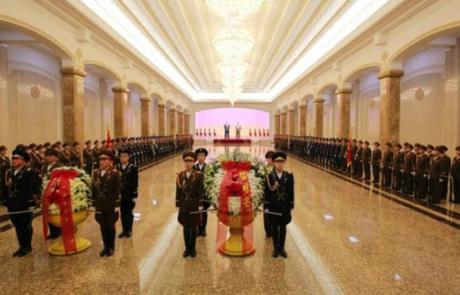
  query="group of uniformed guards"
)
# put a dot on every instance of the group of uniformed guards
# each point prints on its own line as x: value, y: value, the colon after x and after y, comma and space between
x: 422, y: 171
x: 114, y: 171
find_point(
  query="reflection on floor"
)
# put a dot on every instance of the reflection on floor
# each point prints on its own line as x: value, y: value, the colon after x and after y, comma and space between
x: 343, y: 239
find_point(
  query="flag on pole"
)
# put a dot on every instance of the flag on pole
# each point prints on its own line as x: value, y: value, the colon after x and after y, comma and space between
x: 109, y: 140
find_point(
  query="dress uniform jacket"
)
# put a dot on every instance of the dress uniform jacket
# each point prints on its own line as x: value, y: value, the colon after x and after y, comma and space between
x: 88, y: 160
x: 106, y: 190
x: 196, y: 167
x: 455, y: 172
x: 22, y: 188
x: 189, y: 196
x: 422, y: 167
x: 5, y: 165
x: 280, y: 195
x: 129, y: 182
x: 435, y: 177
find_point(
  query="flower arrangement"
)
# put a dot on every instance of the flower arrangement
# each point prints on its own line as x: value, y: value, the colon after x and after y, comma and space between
x: 80, y: 190
x: 214, y: 174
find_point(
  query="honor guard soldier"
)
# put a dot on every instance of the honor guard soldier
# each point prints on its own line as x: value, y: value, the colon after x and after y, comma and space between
x: 409, y: 169
x: 387, y: 165
x: 376, y: 159
x: 444, y: 172
x: 455, y: 173
x: 129, y: 192
x: 366, y: 157
x: 75, y: 155
x: 5, y: 165
x: 269, y: 169
x: 106, y: 197
x: 436, y: 180
x: 20, y: 200
x: 201, y: 154
x: 88, y: 158
x: 280, y: 202
x: 189, y: 197
x: 422, y: 168
x: 398, y: 161
x: 52, y: 158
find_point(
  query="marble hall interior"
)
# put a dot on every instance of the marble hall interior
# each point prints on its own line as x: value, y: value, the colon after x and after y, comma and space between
x: 106, y: 104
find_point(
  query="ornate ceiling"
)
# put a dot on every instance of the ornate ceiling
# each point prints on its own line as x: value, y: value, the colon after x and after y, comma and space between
x: 181, y: 34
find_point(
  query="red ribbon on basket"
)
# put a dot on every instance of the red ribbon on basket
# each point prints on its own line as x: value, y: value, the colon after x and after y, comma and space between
x: 58, y: 191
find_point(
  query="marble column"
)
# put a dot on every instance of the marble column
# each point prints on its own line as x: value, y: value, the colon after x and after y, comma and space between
x: 277, y: 124
x: 4, y: 111
x: 390, y: 105
x: 319, y: 111
x: 146, y: 116
x: 180, y: 123
x: 284, y: 123
x: 292, y: 121
x: 161, y: 119
x: 172, y: 122
x: 73, y: 103
x: 303, y: 120
x: 187, y: 123
x: 120, y: 105
x: 343, y: 105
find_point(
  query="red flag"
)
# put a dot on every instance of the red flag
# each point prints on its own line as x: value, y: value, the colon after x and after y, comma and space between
x: 349, y: 155
x: 109, y: 141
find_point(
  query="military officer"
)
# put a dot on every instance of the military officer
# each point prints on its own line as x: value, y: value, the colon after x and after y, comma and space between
x: 436, y: 171
x: 422, y: 167
x: 376, y: 159
x: 75, y: 155
x: 398, y: 161
x: 366, y: 159
x: 280, y: 202
x: 189, y: 200
x: 387, y: 164
x: 20, y: 199
x: 455, y: 173
x: 106, y: 197
x: 129, y: 192
x: 88, y: 157
x: 5, y: 165
x: 201, y: 154
x: 444, y: 171
x: 269, y: 168
x: 52, y: 158
x: 409, y: 169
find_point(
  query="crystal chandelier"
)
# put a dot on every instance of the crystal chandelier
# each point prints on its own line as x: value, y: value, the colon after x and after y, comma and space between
x: 233, y: 43
x: 234, y: 10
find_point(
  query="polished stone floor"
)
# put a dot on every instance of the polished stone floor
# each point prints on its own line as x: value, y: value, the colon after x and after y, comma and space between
x: 343, y: 240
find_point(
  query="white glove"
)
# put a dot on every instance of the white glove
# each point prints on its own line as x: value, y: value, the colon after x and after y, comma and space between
x: 200, y: 208
x: 134, y: 200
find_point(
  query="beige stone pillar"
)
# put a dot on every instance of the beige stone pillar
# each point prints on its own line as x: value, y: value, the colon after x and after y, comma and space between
x: 180, y: 123
x: 161, y: 119
x: 292, y: 121
x: 343, y: 105
x: 277, y: 124
x: 303, y: 120
x: 73, y: 103
x: 187, y: 123
x: 172, y: 121
x: 319, y: 111
x: 120, y: 105
x: 284, y: 123
x: 146, y: 116
x: 390, y: 105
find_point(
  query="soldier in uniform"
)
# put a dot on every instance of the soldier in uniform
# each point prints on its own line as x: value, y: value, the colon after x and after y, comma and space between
x: 201, y: 154
x: 376, y: 159
x: 409, y: 169
x: 75, y: 155
x: 189, y: 197
x: 269, y: 168
x: 52, y: 158
x: 129, y: 192
x: 398, y: 161
x: 22, y: 187
x: 387, y: 165
x: 422, y: 167
x: 106, y: 196
x: 279, y: 202
x: 436, y: 176
x: 455, y: 180
x: 88, y: 157
x: 5, y: 165
x: 444, y: 172
x: 366, y: 158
